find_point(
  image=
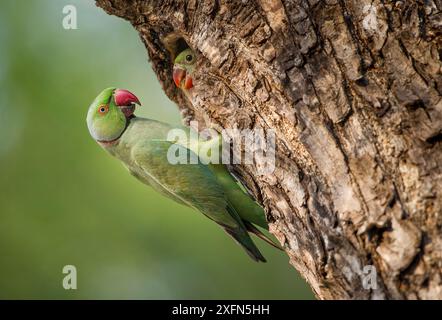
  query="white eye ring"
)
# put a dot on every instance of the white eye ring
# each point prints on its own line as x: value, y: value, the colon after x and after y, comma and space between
x: 189, y: 58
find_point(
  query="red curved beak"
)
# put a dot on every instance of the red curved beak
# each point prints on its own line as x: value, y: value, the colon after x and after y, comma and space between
x: 178, y: 75
x: 125, y: 98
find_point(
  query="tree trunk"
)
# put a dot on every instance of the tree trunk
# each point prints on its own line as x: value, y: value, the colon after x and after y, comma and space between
x: 352, y: 89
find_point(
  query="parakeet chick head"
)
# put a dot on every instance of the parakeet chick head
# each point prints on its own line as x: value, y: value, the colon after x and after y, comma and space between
x: 183, y: 67
x: 110, y: 113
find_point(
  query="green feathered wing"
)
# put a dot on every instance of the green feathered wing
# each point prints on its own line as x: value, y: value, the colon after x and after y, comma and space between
x: 195, y: 185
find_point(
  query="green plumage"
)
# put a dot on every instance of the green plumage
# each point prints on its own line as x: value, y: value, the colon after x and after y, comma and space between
x: 210, y: 189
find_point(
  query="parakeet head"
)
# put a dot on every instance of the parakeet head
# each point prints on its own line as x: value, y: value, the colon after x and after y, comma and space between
x: 110, y: 113
x: 182, y: 69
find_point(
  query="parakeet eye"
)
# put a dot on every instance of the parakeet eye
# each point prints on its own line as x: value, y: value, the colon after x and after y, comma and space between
x: 189, y: 58
x: 103, y: 109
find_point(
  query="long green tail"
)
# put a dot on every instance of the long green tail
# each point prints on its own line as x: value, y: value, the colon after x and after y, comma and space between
x: 251, y: 228
x: 243, y: 203
x: 244, y: 240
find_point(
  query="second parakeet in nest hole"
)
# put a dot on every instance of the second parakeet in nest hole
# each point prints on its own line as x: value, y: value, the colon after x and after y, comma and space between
x: 183, y: 67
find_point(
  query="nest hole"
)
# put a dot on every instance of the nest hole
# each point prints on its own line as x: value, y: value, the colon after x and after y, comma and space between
x: 175, y: 44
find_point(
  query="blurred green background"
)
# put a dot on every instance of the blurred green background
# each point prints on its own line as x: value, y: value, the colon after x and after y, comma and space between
x: 64, y: 201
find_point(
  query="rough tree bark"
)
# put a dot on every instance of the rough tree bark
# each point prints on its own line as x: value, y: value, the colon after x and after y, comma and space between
x: 352, y: 89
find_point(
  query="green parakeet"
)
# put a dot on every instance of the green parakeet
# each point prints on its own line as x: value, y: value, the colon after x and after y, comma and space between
x: 183, y: 67
x: 142, y: 146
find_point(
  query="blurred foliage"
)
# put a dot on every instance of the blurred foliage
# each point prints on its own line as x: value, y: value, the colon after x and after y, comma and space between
x: 63, y: 200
